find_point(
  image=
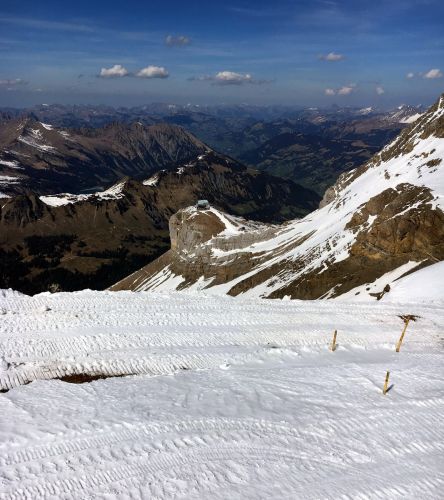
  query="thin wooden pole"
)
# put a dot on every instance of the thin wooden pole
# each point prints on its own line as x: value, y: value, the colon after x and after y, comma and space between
x: 401, y: 338
x: 333, y: 344
x: 384, y: 391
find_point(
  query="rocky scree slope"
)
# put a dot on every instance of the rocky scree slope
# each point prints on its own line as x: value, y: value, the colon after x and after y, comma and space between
x: 382, y: 219
x: 70, y: 241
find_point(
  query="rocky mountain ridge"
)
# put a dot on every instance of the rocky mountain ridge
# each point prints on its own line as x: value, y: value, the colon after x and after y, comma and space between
x: 37, y: 157
x: 376, y: 223
x: 73, y: 241
x: 311, y: 146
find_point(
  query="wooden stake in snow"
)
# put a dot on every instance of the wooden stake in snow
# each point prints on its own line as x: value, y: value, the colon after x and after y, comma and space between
x: 384, y: 391
x: 401, y: 338
x: 333, y: 344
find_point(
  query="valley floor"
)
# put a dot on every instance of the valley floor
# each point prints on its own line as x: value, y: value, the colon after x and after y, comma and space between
x: 222, y: 398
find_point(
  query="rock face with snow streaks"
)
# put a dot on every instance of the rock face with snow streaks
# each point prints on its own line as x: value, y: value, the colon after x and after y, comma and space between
x: 384, y: 217
x: 48, y: 160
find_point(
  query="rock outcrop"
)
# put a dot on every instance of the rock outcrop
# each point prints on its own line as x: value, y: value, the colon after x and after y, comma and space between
x: 197, y: 238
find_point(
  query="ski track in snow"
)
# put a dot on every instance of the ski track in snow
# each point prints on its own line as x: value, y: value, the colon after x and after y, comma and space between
x: 227, y: 398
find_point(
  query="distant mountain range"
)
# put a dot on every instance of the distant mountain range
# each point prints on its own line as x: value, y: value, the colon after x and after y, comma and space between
x: 310, y: 146
x: 318, y: 147
x: 378, y: 223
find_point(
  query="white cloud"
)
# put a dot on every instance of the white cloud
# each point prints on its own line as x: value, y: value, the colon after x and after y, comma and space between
x: 230, y: 78
x: 116, y: 71
x: 410, y: 75
x: 344, y: 90
x: 153, y: 72
x: 433, y: 73
x: 177, y: 41
x: 332, y: 56
x: 380, y: 90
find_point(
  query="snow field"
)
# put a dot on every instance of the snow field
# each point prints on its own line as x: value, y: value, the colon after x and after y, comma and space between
x: 238, y: 398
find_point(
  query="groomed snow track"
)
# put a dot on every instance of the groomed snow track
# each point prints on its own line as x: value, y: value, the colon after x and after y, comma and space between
x: 234, y: 398
x: 122, y: 334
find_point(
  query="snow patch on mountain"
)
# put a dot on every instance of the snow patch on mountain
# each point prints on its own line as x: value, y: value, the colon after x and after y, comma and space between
x: 11, y: 164
x: 152, y: 181
x: 34, y: 138
x: 8, y: 179
x: 65, y: 134
x: 365, y: 111
x: 57, y: 200
x: 411, y: 119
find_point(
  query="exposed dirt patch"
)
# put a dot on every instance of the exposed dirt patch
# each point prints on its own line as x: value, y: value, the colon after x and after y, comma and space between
x: 78, y: 378
x: 84, y: 378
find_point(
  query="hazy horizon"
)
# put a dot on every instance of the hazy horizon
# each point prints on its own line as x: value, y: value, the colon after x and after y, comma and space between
x: 294, y: 106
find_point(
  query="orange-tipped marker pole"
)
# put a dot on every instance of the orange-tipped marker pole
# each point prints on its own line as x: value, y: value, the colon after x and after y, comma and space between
x: 401, y: 338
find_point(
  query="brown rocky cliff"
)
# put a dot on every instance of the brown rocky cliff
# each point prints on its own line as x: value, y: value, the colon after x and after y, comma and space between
x: 189, y: 229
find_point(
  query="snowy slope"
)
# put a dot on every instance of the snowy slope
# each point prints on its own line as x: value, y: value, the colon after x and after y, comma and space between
x: 425, y: 285
x: 231, y: 398
x: 366, y: 209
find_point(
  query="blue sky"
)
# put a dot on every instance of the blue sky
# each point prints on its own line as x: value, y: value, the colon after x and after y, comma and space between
x: 130, y: 52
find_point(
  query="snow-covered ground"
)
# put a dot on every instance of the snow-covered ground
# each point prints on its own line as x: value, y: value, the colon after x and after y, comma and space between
x: 230, y: 398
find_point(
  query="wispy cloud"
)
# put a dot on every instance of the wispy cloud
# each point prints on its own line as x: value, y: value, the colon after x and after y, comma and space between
x: 256, y: 11
x: 332, y: 57
x: 44, y: 24
x: 177, y: 41
x: 15, y: 82
x: 230, y: 78
x: 429, y: 75
x: 433, y: 73
x: 380, y: 90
